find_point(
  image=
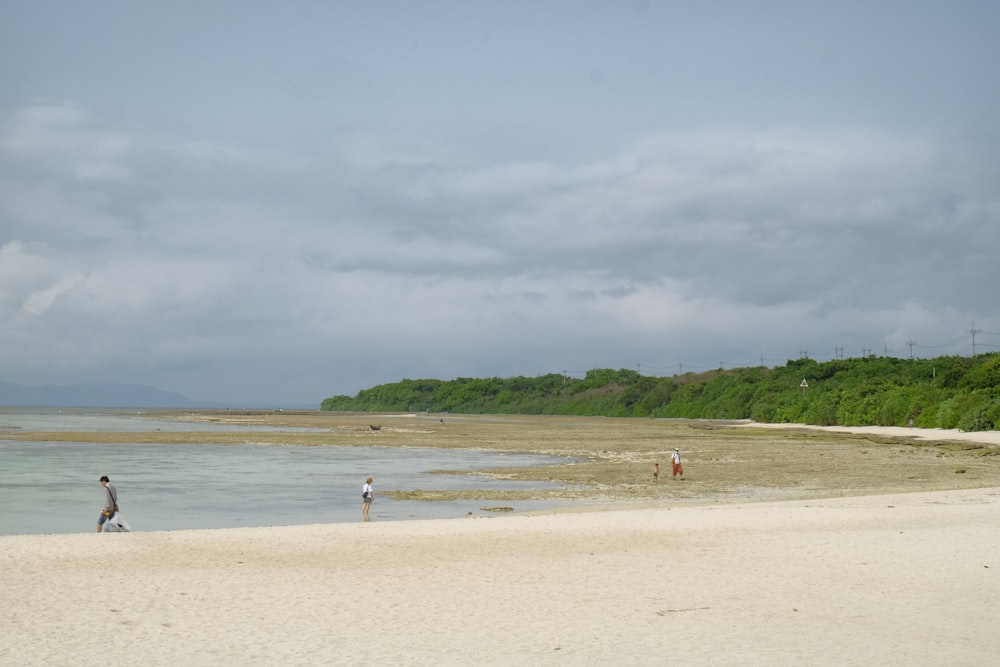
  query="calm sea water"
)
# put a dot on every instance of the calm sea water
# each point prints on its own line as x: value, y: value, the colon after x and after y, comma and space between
x: 52, y: 487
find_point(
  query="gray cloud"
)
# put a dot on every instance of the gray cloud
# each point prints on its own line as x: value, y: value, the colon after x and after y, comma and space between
x: 361, y: 216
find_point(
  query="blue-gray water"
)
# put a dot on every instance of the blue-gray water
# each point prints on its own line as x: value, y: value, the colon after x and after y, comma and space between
x: 52, y: 487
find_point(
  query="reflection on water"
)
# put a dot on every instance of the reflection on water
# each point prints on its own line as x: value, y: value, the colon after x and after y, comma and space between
x: 52, y: 487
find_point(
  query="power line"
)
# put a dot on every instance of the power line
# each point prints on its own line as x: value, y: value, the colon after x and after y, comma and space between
x: 838, y: 352
x: 953, y: 341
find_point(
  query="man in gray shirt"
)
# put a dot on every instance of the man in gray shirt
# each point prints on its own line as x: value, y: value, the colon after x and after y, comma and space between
x: 110, y: 503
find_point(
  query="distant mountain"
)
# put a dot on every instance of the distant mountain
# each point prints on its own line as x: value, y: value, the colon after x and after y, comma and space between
x: 94, y: 396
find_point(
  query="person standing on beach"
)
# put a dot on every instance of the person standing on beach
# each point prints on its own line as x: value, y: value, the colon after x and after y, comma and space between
x: 656, y: 471
x: 678, y: 468
x: 367, y: 495
x: 110, y: 503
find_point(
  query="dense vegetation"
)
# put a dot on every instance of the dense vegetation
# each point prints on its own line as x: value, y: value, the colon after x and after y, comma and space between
x: 946, y: 392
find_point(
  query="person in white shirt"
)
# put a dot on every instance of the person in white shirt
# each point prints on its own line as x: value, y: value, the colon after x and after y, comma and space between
x: 367, y: 495
x: 678, y: 468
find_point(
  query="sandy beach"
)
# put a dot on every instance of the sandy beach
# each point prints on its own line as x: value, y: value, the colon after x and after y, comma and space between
x: 898, y: 579
x: 991, y: 438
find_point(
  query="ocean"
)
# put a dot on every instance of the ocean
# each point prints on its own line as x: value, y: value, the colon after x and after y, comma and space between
x: 52, y: 487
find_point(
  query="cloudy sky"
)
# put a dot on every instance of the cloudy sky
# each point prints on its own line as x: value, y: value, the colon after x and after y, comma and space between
x: 276, y: 202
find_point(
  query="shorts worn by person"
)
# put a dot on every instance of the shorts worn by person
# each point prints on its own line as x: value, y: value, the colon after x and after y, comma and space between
x: 110, y: 507
x: 367, y: 496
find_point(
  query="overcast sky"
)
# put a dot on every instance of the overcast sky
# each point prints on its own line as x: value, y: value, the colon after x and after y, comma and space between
x: 276, y: 202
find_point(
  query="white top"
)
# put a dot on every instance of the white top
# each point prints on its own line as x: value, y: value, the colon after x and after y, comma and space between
x: 367, y: 488
x: 676, y: 457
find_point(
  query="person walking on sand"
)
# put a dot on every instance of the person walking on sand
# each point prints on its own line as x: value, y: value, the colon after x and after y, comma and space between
x: 110, y: 503
x: 656, y: 471
x: 367, y: 495
x: 678, y: 468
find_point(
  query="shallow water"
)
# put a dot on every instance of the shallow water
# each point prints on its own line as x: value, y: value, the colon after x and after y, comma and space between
x: 52, y: 487
x: 86, y: 420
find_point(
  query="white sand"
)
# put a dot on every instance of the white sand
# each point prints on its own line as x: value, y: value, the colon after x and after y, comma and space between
x: 908, y: 579
x: 942, y: 434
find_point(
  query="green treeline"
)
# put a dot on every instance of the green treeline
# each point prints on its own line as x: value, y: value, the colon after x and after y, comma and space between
x: 946, y: 392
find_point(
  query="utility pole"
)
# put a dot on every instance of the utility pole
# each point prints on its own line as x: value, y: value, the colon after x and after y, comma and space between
x: 803, y: 354
x: 974, y: 331
x: 762, y: 361
x: 911, y: 343
x: 838, y: 352
x: 866, y: 352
